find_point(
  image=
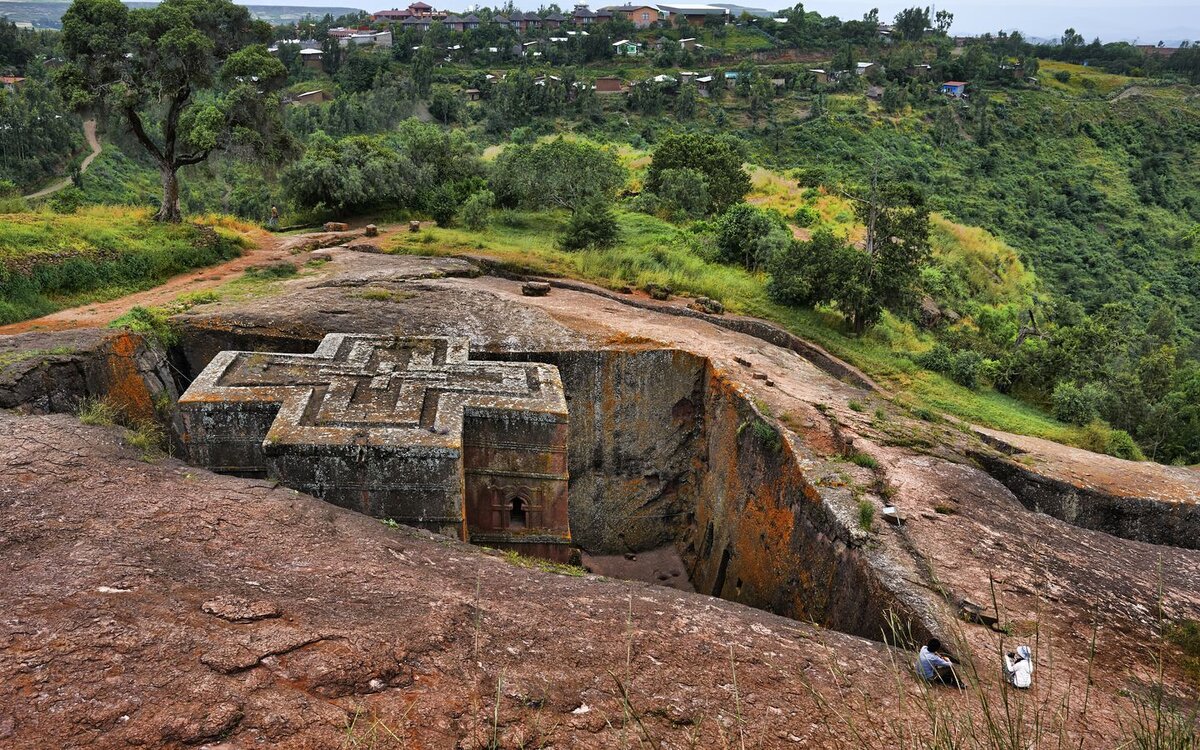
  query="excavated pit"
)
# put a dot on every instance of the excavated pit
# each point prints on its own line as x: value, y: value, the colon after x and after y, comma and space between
x: 667, y: 458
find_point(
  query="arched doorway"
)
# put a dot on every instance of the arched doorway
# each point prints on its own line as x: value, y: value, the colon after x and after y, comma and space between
x: 517, y: 513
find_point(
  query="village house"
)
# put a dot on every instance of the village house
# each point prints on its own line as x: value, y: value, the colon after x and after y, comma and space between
x: 453, y: 22
x: 11, y: 83
x: 390, y: 16
x: 311, y: 97
x: 554, y: 21
x: 956, y: 89
x: 626, y: 47
x: 609, y: 85
x: 381, y: 39
x: 473, y: 95
x: 704, y: 85
x: 420, y: 9
x: 417, y: 22
x: 819, y: 74
x: 582, y: 16
x: 687, y: 76
x: 861, y: 68
x: 340, y: 32
x: 641, y: 16
x: 694, y: 14
x: 311, y: 58
x: 920, y: 70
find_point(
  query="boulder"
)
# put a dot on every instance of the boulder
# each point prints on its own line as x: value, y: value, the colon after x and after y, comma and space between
x: 336, y: 226
x: 658, y: 292
x: 371, y: 230
x: 535, y: 288
x: 414, y: 226
x: 707, y: 305
x: 930, y: 314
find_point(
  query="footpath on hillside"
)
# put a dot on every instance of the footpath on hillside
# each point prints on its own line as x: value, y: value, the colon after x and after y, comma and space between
x: 268, y: 248
x: 89, y: 132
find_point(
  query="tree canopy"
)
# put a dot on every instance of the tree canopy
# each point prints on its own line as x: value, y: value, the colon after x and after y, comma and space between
x: 189, y: 77
x: 561, y: 173
x: 713, y: 156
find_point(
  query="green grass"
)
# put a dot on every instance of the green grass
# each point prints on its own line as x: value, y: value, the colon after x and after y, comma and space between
x: 546, y: 566
x: 51, y: 261
x: 1100, y: 82
x: 866, y: 514
x: 653, y: 251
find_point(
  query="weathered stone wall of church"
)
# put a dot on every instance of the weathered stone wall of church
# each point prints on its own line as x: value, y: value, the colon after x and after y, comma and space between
x: 635, y: 420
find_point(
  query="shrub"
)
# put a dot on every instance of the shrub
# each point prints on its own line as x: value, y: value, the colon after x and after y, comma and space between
x: 152, y: 323
x: 592, y: 226
x: 866, y: 514
x: 97, y: 411
x: 865, y: 461
x: 66, y: 201
x: 1062, y: 76
x: 1077, y: 405
x: 281, y: 270
x: 805, y: 216
x: 965, y: 367
x: 477, y: 210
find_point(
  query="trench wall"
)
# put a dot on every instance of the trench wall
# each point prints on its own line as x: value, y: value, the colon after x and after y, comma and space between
x: 636, y: 418
x: 1175, y: 524
x: 762, y: 534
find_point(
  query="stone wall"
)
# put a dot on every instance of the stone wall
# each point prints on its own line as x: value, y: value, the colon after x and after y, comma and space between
x: 54, y: 372
x: 763, y: 535
x: 635, y: 420
x: 1150, y: 520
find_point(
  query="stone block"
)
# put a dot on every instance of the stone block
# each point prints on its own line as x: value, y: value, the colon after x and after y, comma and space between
x: 371, y: 230
x: 336, y: 226
x: 535, y: 288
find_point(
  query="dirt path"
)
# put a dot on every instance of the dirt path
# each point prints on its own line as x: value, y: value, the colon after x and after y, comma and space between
x: 89, y: 132
x: 268, y: 248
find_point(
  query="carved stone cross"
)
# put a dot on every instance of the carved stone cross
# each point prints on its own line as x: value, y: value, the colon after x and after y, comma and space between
x: 407, y: 428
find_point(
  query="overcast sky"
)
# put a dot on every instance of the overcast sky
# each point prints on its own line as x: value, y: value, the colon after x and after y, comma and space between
x: 1168, y: 20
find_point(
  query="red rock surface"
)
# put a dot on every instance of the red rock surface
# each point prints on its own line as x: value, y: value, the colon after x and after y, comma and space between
x: 109, y: 562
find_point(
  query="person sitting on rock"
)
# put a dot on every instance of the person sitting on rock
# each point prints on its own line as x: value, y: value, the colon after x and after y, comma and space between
x: 933, y: 666
x: 1018, y: 667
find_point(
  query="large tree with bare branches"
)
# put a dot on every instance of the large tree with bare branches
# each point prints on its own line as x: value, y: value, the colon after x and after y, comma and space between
x: 188, y: 77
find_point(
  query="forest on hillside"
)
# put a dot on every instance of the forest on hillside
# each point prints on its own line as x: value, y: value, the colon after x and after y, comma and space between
x: 1036, y: 240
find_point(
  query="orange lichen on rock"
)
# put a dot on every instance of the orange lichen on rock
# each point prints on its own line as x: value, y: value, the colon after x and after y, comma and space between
x: 128, y: 392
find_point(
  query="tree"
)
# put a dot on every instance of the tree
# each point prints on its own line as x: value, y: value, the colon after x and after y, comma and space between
x: 445, y: 106
x: 592, y: 226
x: 684, y: 193
x: 943, y: 20
x: 718, y: 159
x: 557, y: 174
x: 912, y: 22
x: 422, y: 71
x: 750, y: 236
x: 188, y: 76
x: 861, y: 282
x: 685, y: 102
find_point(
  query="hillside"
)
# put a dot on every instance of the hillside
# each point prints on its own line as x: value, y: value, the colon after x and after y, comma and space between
x: 1059, y: 295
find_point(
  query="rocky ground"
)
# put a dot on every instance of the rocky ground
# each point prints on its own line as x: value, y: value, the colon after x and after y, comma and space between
x: 157, y: 604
